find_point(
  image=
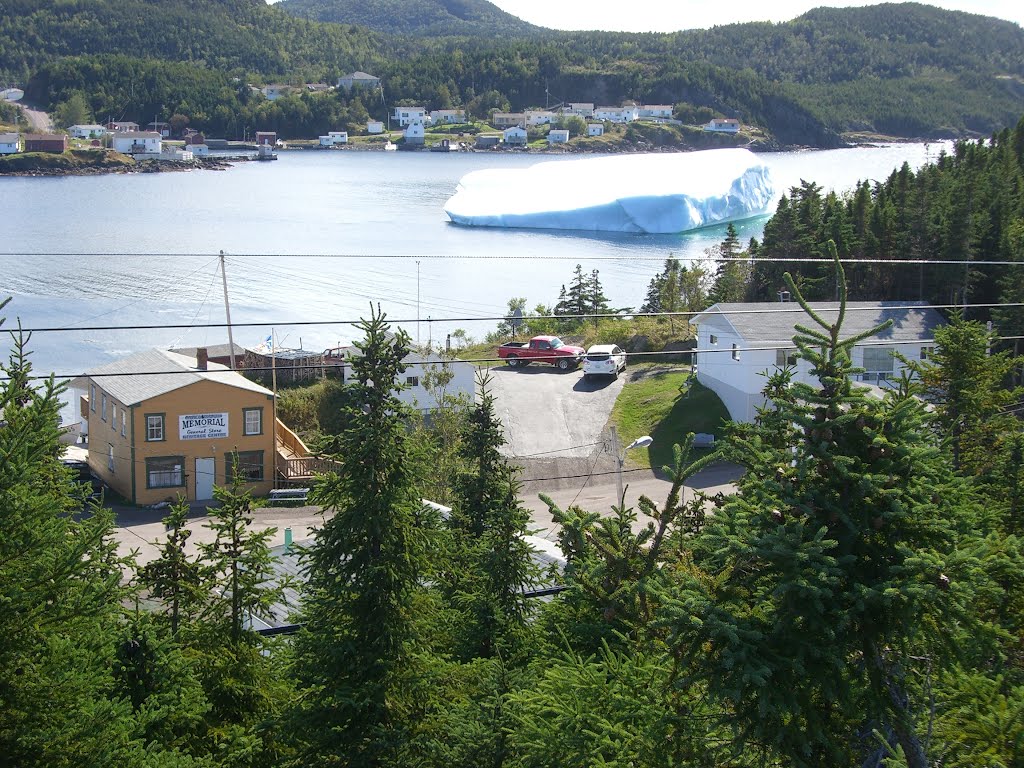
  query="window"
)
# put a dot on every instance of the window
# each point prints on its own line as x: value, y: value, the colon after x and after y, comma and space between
x: 113, y: 416
x: 154, y: 427
x: 124, y: 422
x: 165, y: 472
x: 784, y: 357
x: 103, y: 406
x: 927, y: 352
x: 92, y: 397
x: 713, y: 339
x: 110, y: 457
x: 735, y: 352
x: 878, y: 359
x: 412, y: 381
x: 252, y: 421
x: 246, y: 465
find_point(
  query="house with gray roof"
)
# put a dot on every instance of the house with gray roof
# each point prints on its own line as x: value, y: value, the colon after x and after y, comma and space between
x: 739, y: 345
x: 162, y: 425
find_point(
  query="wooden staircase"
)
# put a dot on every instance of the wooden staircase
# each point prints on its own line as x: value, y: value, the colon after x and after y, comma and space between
x: 293, y: 462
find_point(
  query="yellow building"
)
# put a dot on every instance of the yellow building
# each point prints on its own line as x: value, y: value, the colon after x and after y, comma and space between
x: 161, y: 424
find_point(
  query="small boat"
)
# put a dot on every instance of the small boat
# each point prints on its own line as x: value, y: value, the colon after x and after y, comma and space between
x: 389, y: 147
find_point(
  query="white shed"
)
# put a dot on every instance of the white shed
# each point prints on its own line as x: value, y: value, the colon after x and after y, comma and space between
x: 10, y: 143
x: 595, y: 129
x: 558, y: 136
x: 739, y: 344
x: 374, y: 127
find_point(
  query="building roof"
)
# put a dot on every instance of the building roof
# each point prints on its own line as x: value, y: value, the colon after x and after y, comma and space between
x: 773, y: 322
x: 156, y: 372
x: 45, y: 136
x: 213, y: 350
x: 359, y: 76
x: 8, y: 138
x: 138, y: 135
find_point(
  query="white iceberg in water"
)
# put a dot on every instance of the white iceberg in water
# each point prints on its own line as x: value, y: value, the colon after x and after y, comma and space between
x: 657, y: 193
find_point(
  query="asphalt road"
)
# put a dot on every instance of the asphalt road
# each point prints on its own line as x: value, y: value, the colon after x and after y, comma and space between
x: 547, y: 413
x: 39, y: 120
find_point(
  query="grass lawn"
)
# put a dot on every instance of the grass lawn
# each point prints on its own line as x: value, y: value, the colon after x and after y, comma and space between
x: 665, y: 403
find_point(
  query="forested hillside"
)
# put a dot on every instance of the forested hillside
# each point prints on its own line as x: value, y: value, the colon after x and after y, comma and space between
x: 430, y: 18
x: 964, y: 206
x: 905, y: 70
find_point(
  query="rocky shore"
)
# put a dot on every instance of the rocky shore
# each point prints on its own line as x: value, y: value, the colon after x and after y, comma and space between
x: 92, y: 163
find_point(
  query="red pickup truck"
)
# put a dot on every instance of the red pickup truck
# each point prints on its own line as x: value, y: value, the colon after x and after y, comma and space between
x: 541, y: 349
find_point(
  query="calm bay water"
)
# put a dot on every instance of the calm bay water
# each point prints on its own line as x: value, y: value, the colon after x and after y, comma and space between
x: 142, y: 249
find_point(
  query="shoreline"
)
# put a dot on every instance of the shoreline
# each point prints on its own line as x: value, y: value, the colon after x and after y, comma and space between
x: 70, y: 165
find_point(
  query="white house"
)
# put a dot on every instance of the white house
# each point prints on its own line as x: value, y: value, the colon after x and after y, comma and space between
x: 87, y: 131
x: 723, y: 125
x: 616, y: 114
x: 414, y: 133
x: 124, y: 126
x: 447, y: 116
x: 558, y: 136
x: 514, y: 135
x: 334, y: 138
x: 655, y: 110
x: 583, y: 109
x: 137, y: 142
x: 374, y: 127
x: 738, y: 343
x: 409, y: 115
x: 200, y: 150
x: 416, y: 395
x: 10, y: 143
x: 595, y: 129
x: 358, y: 80
x: 535, y: 117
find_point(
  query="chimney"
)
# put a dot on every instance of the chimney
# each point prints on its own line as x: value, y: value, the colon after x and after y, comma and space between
x: 202, y: 358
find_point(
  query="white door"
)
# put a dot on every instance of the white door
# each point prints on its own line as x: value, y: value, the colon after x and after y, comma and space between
x: 205, y: 471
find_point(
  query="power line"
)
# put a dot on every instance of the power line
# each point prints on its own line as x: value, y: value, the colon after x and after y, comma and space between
x: 326, y: 367
x: 521, y: 257
x: 775, y: 309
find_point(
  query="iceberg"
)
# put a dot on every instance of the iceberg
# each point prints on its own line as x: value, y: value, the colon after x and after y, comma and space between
x: 650, y: 193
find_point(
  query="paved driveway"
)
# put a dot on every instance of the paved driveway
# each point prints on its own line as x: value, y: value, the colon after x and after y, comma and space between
x: 554, y: 414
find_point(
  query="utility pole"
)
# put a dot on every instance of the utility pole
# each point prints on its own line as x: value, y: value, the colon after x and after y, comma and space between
x: 273, y: 381
x: 227, y: 310
x: 417, y: 302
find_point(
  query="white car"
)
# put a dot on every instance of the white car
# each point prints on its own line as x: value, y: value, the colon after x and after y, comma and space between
x: 603, y: 360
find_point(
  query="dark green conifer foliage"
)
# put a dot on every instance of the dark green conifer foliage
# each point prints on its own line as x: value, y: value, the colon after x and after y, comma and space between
x: 60, y: 582
x: 496, y: 565
x: 832, y: 569
x: 732, y: 278
x: 173, y: 578
x: 364, y: 569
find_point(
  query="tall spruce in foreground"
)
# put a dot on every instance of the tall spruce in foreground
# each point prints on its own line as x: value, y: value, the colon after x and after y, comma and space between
x: 497, y: 564
x: 833, y: 574
x: 60, y: 584
x: 352, y: 661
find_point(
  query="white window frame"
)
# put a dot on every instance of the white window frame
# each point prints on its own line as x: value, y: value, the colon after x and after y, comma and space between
x: 246, y: 413
x: 161, y: 424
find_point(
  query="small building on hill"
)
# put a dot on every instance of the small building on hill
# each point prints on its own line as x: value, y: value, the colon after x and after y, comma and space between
x: 723, y: 125
x: 358, y: 80
x: 516, y: 136
x: 137, y: 142
x: 558, y: 136
x: 10, y: 143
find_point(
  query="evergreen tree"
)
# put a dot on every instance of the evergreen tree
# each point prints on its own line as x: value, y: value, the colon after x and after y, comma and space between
x: 61, y: 592
x: 732, y: 278
x: 829, y: 569
x: 364, y: 569
x: 497, y: 565
x: 597, y: 302
x: 577, y: 296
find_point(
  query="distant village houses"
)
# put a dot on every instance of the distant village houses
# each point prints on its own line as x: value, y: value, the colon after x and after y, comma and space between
x: 10, y: 143
x: 409, y: 115
x: 723, y: 125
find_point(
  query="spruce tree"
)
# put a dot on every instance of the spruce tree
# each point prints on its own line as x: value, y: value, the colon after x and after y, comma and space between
x: 61, y: 591
x: 497, y: 564
x: 364, y: 569
x: 830, y: 570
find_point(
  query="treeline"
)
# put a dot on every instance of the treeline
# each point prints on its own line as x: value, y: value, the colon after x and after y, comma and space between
x: 857, y: 601
x: 964, y: 206
x: 423, y: 18
x: 803, y: 81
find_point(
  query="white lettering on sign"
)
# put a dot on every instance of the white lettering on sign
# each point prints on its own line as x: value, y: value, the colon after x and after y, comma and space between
x: 202, y: 426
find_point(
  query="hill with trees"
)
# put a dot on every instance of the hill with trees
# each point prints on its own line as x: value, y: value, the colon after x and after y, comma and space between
x: 903, y: 70
x: 429, y: 18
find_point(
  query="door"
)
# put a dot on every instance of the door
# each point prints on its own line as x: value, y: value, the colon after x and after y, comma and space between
x: 205, y: 475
